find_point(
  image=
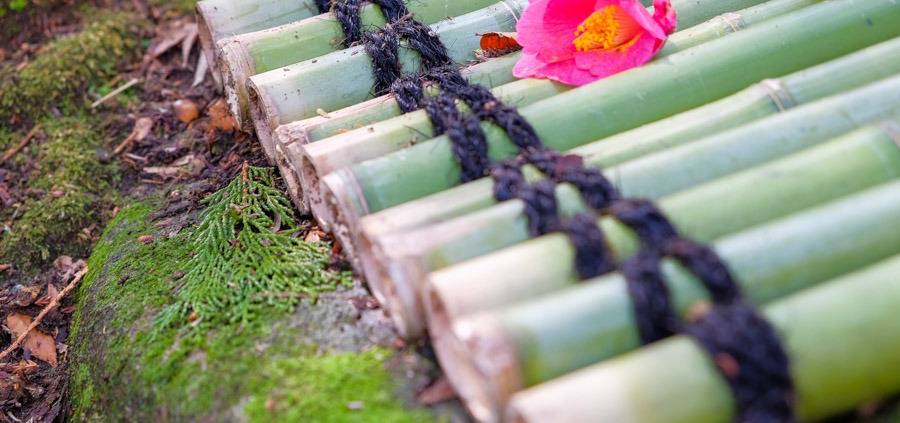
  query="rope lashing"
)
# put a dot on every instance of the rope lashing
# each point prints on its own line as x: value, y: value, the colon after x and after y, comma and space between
x: 748, y: 353
x: 733, y: 333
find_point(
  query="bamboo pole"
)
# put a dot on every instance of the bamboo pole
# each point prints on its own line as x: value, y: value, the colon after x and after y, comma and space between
x: 218, y: 19
x: 345, y: 77
x: 533, y: 270
x: 348, y: 147
x: 853, y: 162
x: 843, y: 340
x: 396, y: 263
x: 289, y: 139
x: 291, y: 86
x: 376, y: 140
x: 764, y: 99
x: 559, y: 333
x: 690, y: 14
x: 682, y: 81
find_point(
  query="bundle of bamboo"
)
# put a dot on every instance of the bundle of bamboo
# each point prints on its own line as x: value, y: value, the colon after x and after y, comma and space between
x: 556, y: 334
x: 794, y: 181
x: 395, y: 255
x: 301, y: 89
x: 834, y: 366
x: 684, y: 80
x: 387, y: 136
x: 218, y: 19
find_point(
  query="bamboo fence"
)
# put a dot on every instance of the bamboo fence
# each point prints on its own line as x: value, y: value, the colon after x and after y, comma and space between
x: 768, y: 130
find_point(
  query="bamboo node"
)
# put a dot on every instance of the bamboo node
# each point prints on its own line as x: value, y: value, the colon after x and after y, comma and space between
x: 779, y: 94
x: 892, y: 129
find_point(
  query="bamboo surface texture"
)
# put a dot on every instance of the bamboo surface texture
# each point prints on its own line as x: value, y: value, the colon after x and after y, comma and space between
x: 385, y: 137
x: 245, y: 55
x: 843, y: 339
x: 853, y: 162
x: 395, y: 263
x: 344, y: 78
x: 682, y: 81
x: 556, y: 334
x: 219, y: 19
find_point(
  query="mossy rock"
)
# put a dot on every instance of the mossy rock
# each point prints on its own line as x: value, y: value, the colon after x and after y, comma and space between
x: 75, y: 193
x: 320, y: 360
x: 59, y: 75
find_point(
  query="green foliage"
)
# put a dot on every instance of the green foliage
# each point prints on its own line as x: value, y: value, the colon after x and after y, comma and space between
x: 59, y: 76
x: 127, y: 368
x: 75, y: 186
x: 247, y: 258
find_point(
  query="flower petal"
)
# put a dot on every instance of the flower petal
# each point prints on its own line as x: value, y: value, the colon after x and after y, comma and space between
x: 547, y: 27
x: 665, y: 15
x: 603, y: 63
x: 642, y: 17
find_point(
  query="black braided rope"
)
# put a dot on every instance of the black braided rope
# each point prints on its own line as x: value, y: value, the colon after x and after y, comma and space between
x: 592, y: 254
x: 383, y: 47
x: 347, y: 14
x: 323, y: 6
x: 748, y: 353
x: 733, y: 329
x: 393, y: 10
x: 464, y: 131
x: 653, y: 313
x: 540, y: 207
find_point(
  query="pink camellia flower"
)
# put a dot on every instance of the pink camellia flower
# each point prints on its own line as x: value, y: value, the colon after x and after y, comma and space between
x: 580, y: 41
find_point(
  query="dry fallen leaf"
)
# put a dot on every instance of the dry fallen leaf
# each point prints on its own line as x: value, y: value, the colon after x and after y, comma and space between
x: 141, y: 129
x: 220, y: 116
x: 39, y: 343
x: 495, y: 44
x: 185, y: 110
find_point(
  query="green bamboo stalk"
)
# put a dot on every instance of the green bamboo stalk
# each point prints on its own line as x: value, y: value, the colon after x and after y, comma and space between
x: 685, y: 80
x: 760, y: 100
x: 347, y: 148
x: 836, y: 363
x: 289, y: 138
x: 245, y: 55
x: 856, y: 161
x: 396, y: 262
x: 692, y: 32
x: 218, y: 19
x: 556, y: 334
x: 343, y: 78
x: 376, y: 140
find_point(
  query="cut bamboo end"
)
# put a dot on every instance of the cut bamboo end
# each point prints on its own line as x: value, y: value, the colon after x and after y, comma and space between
x: 309, y: 181
x: 263, y: 118
x: 344, y: 204
x: 207, y: 44
x: 289, y: 153
x: 283, y: 152
x: 395, y: 279
x: 236, y: 67
x: 481, y: 365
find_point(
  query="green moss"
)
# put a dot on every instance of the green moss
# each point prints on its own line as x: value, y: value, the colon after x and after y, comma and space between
x: 75, y: 184
x: 179, y: 6
x: 59, y: 75
x: 331, y: 388
x: 130, y: 367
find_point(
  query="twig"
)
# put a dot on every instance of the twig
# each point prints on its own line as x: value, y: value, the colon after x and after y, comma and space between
x: 116, y: 92
x: 22, y: 144
x: 37, y: 320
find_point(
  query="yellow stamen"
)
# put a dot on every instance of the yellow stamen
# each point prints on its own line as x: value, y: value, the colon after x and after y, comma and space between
x: 607, y: 28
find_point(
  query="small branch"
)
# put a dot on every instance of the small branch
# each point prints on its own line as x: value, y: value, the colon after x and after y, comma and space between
x: 15, y: 150
x: 37, y: 320
x: 116, y: 92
